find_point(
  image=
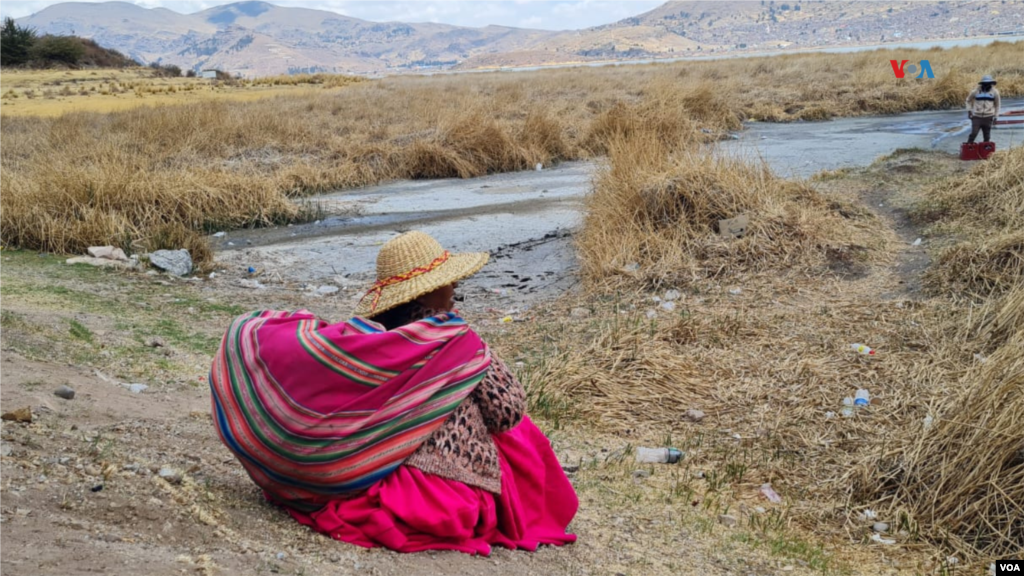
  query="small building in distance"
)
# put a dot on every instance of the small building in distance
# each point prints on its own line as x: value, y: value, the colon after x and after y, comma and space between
x: 209, y: 74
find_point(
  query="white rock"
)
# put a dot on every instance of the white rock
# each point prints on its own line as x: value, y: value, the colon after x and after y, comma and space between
x: 108, y: 253
x: 694, y: 415
x: 327, y: 289
x: 652, y: 314
x: 672, y: 295
x: 170, y: 474
x: 177, y: 262
x: 736, y: 291
x: 98, y: 262
x: 580, y: 313
x: 539, y: 167
x: 668, y: 306
x: 917, y: 242
x: 137, y: 388
x: 880, y: 527
x: 250, y: 283
x: 220, y: 234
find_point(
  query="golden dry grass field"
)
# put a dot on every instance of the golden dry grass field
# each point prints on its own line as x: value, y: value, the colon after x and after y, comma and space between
x: 758, y: 336
x: 55, y: 92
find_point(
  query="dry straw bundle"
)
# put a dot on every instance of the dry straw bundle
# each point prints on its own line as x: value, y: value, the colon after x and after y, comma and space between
x: 986, y: 209
x: 659, y: 211
x: 962, y: 479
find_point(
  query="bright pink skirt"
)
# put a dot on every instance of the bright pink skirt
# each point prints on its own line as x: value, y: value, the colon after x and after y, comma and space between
x: 412, y: 511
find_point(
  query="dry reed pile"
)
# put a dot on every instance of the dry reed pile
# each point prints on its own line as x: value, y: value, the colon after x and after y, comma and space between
x: 654, y: 215
x: 985, y: 210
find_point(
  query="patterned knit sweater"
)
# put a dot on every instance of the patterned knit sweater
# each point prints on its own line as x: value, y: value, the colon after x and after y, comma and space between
x: 462, y: 448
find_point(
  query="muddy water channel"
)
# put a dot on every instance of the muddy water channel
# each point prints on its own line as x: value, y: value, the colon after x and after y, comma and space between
x: 525, y: 219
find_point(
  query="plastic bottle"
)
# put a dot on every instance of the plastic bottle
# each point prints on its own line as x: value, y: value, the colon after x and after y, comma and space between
x: 861, y: 398
x: 862, y: 349
x: 847, y: 410
x: 658, y: 455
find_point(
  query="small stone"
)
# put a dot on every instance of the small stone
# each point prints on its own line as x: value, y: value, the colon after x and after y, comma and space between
x: 326, y: 289
x: 880, y: 527
x: 100, y: 251
x: 280, y: 555
x: 177, y: 262
x: 5, y: 449
x: 570, y: 468
x: 65, y: 392
x: 103, y: 262
x: 580, y: 313
x: 727, y: 520
x: 335, y: 558
x: 137, y: 388
x: 220, y: 234
x: 694, y: 415
x: 672, y: 295
x: 170, y: 474
x: 641, y: 474
x: 19, y: 415
x: 155, y: 343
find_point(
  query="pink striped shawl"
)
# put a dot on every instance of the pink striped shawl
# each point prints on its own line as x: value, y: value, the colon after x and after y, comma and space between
x: 316, y: 411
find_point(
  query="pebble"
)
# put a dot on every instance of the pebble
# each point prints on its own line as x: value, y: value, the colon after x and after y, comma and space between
x: 19, y: 415
x: 335, y: 558
x: 641, y: 473
x: 5, y: 449
x: 326, y: 289
x: 880, y: 527
x: 155, y: 343
x: 727, y: 520
x: 580, y: 313
x: 137, y: 388
x: 170, y: 474
x: 694, y: 415
x: 280, y: 555
x: 65, y: 392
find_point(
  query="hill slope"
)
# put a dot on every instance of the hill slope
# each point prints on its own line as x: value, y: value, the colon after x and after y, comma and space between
x: 258, y: 38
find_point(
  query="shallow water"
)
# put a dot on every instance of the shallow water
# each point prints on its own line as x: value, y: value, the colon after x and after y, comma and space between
x: 524, y: 218
x: 803, y: 148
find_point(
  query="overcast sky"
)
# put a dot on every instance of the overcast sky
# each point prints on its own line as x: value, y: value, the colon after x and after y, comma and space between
x: 543, y: 14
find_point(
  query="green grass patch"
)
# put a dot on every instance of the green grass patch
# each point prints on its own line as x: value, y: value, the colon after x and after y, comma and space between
x: 79, y: 331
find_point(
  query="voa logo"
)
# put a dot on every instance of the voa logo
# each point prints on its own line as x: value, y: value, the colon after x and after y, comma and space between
x: 901, y: 69
x: 1007, y: 567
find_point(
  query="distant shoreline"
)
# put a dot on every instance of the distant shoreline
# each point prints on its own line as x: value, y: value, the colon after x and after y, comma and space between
x: 944, y: 43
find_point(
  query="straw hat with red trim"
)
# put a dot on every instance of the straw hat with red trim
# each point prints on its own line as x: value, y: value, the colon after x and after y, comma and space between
x: 411, y: 265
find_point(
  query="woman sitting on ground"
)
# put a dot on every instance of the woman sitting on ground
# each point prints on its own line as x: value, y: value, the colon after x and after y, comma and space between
x: 397, y: 428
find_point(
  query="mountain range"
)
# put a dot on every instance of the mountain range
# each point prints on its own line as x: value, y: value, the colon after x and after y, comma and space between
x: 257, y: 38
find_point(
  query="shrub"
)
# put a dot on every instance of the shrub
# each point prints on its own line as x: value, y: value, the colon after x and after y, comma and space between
x: 15, y: 43
x: 57, y: 49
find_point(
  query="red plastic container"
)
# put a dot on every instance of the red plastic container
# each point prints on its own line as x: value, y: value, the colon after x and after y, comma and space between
x: 977, y: 150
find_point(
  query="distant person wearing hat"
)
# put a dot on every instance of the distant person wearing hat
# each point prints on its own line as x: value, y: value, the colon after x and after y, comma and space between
x: 398, y: 428
x: 983, y: 108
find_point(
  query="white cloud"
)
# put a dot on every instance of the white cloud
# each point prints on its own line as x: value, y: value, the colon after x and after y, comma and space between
x: 542, y: 14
